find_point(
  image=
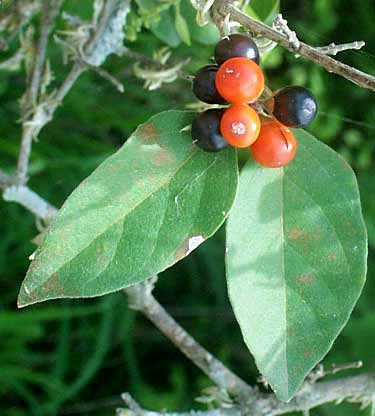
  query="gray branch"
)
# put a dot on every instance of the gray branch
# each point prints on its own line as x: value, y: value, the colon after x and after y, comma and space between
x: 30, y: 200
x: 333, y: 49
x: 141, y: 299
x: 222, y: 8
x: 134, y: 409
x: 50, y: 11
x: 105, y: 40
x: 25, y: 197
x: 359, y: 389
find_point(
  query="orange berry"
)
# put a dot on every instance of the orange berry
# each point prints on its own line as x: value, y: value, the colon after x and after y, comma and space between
x: 240, y: 125
x: 276, y: 145
x: 239, y: 80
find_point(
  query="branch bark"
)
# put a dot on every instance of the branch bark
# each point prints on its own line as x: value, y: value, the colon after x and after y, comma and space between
x: 222, y: 8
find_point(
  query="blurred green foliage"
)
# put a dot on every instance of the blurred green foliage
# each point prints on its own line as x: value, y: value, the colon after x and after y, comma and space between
x: 76, y: 357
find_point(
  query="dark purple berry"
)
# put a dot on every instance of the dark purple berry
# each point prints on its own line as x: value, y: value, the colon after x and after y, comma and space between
x: 294, y: 106
x: 234, y: 46
x: 204, y: 87
x: 205, y: 131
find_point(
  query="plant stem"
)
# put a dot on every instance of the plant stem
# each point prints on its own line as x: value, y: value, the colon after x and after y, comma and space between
x: 222, y: 8
x: 50, y: 11
x: 141, y: 299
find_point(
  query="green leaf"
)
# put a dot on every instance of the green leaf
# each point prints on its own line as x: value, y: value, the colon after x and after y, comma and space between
x: 159, y: 17
x: 296, y: 260
x: 165, y: 29
x: 142, y: 210
x: 182, y: 27
x: 264, y: 10
x: 207, y: 34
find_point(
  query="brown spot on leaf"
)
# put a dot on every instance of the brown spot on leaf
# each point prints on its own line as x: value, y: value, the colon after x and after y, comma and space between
x: 305, y: 280
x: 148, y: 133
x: 51, y: 288
x: 301, y: 235
x: 303, y: 238
x: 53, y: 285
x: 182, y: 250
x: 161, y: 158
x: 332, y: 256
x: 307, y: 354
x: 35, y: 264
x: 295, y: 234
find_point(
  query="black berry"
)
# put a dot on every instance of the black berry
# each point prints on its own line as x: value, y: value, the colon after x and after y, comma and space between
x: 234, y: 46
x: 205, y: 131
x: 204, y: 85
x: 294, y: 106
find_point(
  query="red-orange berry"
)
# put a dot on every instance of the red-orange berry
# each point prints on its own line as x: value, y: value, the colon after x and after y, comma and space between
x: 239, y: 80
x: 240, y: 125
x: 276, y: 145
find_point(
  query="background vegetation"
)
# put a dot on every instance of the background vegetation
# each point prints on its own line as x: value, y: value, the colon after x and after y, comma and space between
x: 76, y: 357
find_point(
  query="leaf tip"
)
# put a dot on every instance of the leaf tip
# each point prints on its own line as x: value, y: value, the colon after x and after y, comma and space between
x: 24, y: 299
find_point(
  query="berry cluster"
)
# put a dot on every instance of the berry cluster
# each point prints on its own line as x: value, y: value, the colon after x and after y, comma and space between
x: 238, y: 80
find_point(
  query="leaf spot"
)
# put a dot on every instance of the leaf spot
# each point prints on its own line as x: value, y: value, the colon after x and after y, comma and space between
x: 295, y: 234
x: 305, y: 280
x: 148, y: 133
x: 161, y: 158
x: 332, y: 256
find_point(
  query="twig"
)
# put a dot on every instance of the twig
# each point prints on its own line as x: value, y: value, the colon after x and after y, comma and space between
x: 26, y: 197
x: 162, y: 69
x: 24, y: 12
x: 105, y: 40
x: 106, y: 75
x: 355, y: 389
x: 141, y: 299
x: 223, y: 7
x: 281, y: 25
x: 31, y: 201
x: 49, y: 13
x: 143, y: 59
x: 320, y: 372
x: 134, y: 409
x: 333, y: 49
